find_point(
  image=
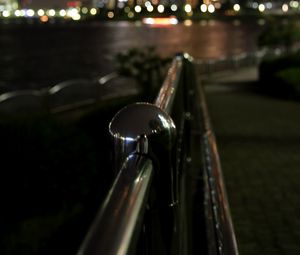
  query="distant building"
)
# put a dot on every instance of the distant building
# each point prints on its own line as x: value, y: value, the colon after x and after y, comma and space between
x: 193, y: 3
x: 45, y: 4
x: 100, y: 3
x: 110, y: 4
x: 8, y: 5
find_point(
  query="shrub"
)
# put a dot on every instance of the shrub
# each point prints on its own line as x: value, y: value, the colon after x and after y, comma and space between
x: 291, y: 78
x: 278, y: 76
x: 146, y: 66
x: 279, y: 35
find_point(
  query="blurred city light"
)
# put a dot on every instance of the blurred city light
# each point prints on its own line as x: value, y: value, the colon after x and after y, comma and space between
x: 121, y: 5
x: 188, y: 22
x: 30, y: 13
x: 23, y: 13
x: 72, y: 12
x: 294, y: 4
x: 84, y: 10
x: 130, y: 15
x: 51, y: 12
x: 160, y: 21
x: 150, y: 8
x: 6, y: 14
x: 138, y: 8
x: 141, y: 6
x: 261, y: 7
x: 218, y: 5
x: 44, y: 18
x: 110, y: 14
x: 160, y: 8
x: 76, y: 17
x: 285, y: 8
x: 147, y: 4
x: 269, y: 5
x: 187, y: 8
x: 93, y: 11
x: 255, y: 5
x: 211, y: 8
x: 236, y: 7
x: 174, y: 7
x: 261, y: 22
x: 62, y: 13
x: 17, y: 13
x: 41, y: 12
x: 203, y: 7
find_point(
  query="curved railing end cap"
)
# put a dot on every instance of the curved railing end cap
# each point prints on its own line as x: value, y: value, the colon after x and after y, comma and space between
x: 139, y: 119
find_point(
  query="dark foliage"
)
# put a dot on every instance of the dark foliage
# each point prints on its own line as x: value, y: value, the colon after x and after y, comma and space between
x: 278, y: 34
x: 146, y: 66
x: 277, y: 79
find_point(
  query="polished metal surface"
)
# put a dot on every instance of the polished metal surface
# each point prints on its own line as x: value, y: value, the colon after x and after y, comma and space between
x: 224, y: 231
x: 137, y: 127
x: 166, y: 95
x: 104, y: 79
x: 119, y: 219
x: 144, y: 135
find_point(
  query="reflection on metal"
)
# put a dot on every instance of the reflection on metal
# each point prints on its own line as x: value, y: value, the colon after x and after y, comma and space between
x: 69, y: 83
x: 136, y: 127
x: 9, y: 95
x: 120, y: 217
x: 224, y: 231
x: 22, y: 103
x: 69, y: 95
x: 223, y: 227
x: 106, y: 78
x: 166, y: 94
x: 142, y: 144
x: 142, y: 134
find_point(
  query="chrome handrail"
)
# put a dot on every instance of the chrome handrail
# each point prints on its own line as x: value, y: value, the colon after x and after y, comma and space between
x: 116, y: 224
x: 226, y: 242
x: 118, y: 220
x: 166, y: 95
x: 143, y: 136
x: 224, y: 231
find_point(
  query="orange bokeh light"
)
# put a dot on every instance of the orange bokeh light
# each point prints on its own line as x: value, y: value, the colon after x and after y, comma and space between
x: 44, y: 18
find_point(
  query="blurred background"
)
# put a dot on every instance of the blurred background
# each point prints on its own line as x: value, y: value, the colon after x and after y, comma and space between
x: 66, y: 67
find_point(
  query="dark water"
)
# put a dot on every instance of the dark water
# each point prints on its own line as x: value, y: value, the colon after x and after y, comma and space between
x: 40, y: 56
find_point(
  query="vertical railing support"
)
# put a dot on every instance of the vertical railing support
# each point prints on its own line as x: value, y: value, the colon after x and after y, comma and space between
x: 144, y: 128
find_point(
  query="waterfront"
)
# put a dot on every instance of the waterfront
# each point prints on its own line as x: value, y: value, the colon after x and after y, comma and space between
x: 41, y: 56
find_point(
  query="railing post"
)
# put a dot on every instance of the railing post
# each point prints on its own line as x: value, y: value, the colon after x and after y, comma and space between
x: 146, y: 129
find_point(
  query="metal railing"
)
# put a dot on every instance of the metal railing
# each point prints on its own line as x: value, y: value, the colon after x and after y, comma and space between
x: 119, y: 219
x: 216, y: 193
x: 153, y: 206
x: 67, y: 95
x: 244, y: 59
x: 74, y: 94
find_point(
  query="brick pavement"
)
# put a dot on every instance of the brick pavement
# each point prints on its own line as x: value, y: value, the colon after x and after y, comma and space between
x: 259, y: 144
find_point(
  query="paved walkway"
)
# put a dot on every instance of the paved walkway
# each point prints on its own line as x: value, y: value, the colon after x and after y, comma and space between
x: 259, y: 143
